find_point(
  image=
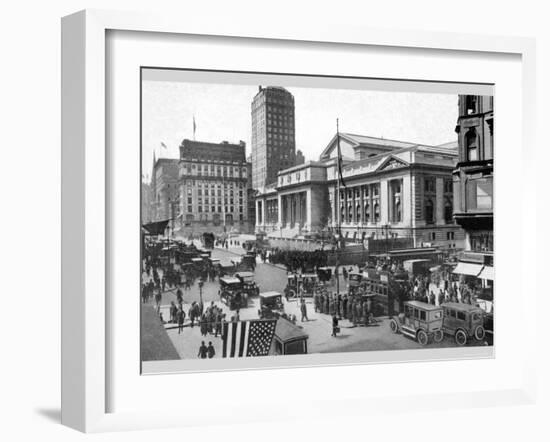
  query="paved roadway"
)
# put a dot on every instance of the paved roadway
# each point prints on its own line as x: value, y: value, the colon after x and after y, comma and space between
x: 319, y: 328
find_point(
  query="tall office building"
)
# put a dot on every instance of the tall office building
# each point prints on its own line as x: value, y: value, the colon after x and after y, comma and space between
x: 213, y: 187
x: 273, y: 136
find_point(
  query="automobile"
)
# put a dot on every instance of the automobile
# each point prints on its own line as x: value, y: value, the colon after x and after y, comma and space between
x: 214, y: 262
x: 354, y: 281
x: 292, y: 286
x: 198, y: 263
x: 303, y: 284
x: 232, y: 294
x: 249, y: 260
x: 463, y: 321
x: 420, y: 321
x: 324, y: 273
x: 226, y: 268
x: 271, y: 305
x: 248, y: 284
x: 308, y: 283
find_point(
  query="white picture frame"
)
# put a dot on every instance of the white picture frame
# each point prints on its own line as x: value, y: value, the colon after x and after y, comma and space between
x: 85, y: 306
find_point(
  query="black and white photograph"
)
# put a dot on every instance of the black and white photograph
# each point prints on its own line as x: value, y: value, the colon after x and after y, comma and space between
x: 280, y: 220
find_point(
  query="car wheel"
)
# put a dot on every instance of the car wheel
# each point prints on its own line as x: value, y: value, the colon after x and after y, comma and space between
x: 394, y: 327
x: 422, y: 337
x: 438, y: 336
x: 460, y: 337
x: 479, y: 333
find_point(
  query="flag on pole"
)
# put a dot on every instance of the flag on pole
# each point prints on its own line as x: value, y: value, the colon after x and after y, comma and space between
x: 340, y: 175
x: 163, y: 145
x: 248, y: 338
x: 194, y: 127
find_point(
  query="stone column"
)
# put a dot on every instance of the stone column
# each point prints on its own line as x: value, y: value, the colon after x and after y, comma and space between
x: 279, y: 212
x: 384, y: 200
x: 439, y: 202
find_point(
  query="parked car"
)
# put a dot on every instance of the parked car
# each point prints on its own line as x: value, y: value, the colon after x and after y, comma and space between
x: 463, y: 321
x: 420, y: 321
x: 271, y: 305
x: 231, y: 293
x: 248, y: 284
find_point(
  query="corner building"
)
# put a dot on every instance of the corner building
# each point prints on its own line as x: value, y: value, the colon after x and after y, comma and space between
x: 273, y: 136
x: 473, y: 186
x: 213, y: 187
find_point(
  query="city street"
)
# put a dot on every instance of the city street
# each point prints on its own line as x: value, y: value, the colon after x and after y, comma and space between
x: 319, y: 327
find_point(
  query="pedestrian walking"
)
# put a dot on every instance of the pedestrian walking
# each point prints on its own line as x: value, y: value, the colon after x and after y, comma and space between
x: 218, y: 327
x: 210, y: 350
x: 203, y: 325
x: 303, y: 310
x: 335, y: 328
x: 173, y: 312
x: 203, y: 351
x: 158, y: 298
x: 181, y: 320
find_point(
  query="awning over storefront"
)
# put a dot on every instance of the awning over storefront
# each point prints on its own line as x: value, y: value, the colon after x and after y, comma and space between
x: 488, y: 272
x: 156, y: 228
x: 467, y: 268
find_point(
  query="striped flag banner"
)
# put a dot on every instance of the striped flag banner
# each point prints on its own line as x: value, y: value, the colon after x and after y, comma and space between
x: 248, y: 338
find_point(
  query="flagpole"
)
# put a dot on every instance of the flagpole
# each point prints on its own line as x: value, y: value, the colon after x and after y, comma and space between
x: 337, y: 199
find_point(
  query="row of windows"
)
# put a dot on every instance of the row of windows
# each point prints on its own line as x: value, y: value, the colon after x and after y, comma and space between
x: 216, y: 218
x: 450, y: 236
x: 215, y: 200
x: 429, y: 210
x: 371, y: 211
x: 429, y: 185
x: 212, y: 209
x: 206, y: 184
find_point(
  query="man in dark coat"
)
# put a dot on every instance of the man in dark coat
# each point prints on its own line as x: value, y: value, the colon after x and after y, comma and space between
x: 203, y: 351
x: 181, y: 318
x: 210, y: 350
x: 334, y: 325
x: 303, y: 310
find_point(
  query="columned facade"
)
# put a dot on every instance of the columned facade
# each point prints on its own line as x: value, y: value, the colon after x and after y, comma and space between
x: 402, y: 192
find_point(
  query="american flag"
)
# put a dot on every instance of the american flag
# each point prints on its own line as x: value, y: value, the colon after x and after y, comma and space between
x: 248, y: 338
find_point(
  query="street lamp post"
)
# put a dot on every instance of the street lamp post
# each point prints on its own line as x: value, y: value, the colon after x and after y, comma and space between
x: 201, y: 283
x: 386, y: 229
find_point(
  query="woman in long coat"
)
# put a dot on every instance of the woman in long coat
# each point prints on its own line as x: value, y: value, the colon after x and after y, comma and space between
x: 358, y: 311
x: 204, y: 325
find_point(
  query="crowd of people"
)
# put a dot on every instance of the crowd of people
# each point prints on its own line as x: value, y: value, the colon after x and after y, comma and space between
x: 298, y: 260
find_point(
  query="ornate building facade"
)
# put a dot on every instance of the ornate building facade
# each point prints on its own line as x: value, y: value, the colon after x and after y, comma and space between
x: 213, y: 187
x: 473, y: 183
x: 392, y: 189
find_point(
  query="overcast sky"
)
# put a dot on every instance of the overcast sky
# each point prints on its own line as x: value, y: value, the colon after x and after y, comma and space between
x: 222, y: 112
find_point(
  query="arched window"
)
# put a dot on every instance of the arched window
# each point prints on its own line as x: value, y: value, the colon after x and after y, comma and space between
x: 367, y: 213
x: 471, y: 145
x: 358, y: 213
x: 429, y: 211
x: 350, y: 213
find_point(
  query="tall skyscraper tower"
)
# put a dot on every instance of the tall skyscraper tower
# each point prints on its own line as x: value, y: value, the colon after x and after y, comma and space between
x: 273, y: 136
